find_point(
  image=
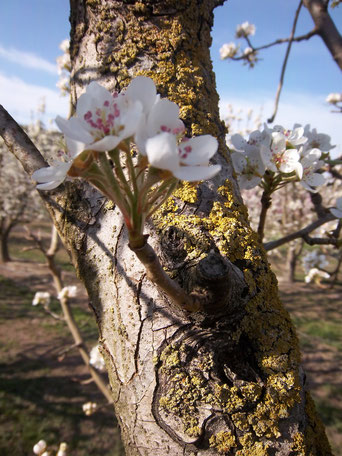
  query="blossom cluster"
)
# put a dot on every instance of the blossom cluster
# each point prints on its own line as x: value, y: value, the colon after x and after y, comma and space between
x: 245, y: 29
x: 139, y: 125
x: 337, y: 211
x: 231, y: 50
x: 41, y: 449
x: 67, y: 292
x: 96, y: 359
x: 314, y: 259
x: 42, y: 298
x: 64, y: 68
x: 314, y: 263
x: 89, y: 408
x: 316, y: 275
x: 282, y: 156
x: 334, y: 98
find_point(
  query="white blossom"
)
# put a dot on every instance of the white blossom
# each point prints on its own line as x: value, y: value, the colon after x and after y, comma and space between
x: 64, y: 45
x: 334, y: 98
x: 96, y: 359
x: 228, y: 50
x: 311, y: 162
x: 41, y: 297
x: 245, y: 29
x: 249, y: 168
x: 317, y: 140
x: 337, y: 211
x: 314, y: 259
x: 277, y: 157
x: 102, y: 120
x: 316, y: 275
x: 68, y: 292
x: 62, y: 450
x: 250, y: 56
x: 187, y: 160
x: 159, y: 114
x: 39, y: 447
x: 89, y: 408
x: 294, y: 137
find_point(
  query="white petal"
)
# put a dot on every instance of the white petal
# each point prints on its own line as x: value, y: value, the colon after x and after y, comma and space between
x: 339, y: 203
x: 336, y: 212
x: 239, y: 161
x: 74, y: 147
x: 141, y: 136
x: 248, y: 182
x: 238, y: 142
x: 164, y: 115
x: 278, y: 143
x: 298, y: 168
x: 203, y: 148
x: 266, y: 157
x: 313, y: 155
x: 196, y: 173
x: 51, y: 172
x: 130, y: 119
x: 307, y: 187
x: 50, y: 185
x: 315, y: 179
x: 105, y: 144
x: 74, y: 129
x: 93, y: 98
x: 143, y: 89
x: 162, y: 151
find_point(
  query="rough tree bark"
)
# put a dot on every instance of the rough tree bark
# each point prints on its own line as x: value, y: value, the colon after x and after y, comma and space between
x: 226, y: 380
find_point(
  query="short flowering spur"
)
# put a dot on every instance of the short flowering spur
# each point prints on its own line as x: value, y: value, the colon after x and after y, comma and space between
x: 131, y: 147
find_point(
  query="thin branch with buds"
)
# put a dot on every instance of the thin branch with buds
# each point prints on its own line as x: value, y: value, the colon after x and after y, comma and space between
x: 304, y: 234
x: 66, y: 309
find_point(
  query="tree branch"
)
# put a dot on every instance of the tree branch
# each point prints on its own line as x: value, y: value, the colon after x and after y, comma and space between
x: 303, y: 233
x: 326, y: 28
x: 19, y: 143
x: 299, y: 38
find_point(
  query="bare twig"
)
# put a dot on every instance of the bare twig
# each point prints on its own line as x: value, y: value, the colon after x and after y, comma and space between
x: 297, y: 39
x: 53, y: 314
x: 282, y: 75
x: 303, y: 233
x: 66, y: 309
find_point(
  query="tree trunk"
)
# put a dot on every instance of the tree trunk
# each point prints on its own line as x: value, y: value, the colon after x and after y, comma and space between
x: 223, y: 381
x: 5, y: 230
x: 294, y: 251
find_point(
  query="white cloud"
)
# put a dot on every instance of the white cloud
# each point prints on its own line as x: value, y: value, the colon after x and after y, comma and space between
x: 21, y: 100
x: 28, y: 60
x: 293, y: 108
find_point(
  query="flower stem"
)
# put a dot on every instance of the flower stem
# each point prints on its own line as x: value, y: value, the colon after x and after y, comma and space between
x: 266, y: 202
x: 157, y: 275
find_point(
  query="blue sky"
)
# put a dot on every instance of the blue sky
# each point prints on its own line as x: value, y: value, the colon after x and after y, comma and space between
x: 32, y: 30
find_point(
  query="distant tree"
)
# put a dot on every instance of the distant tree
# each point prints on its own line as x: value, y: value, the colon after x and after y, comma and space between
x: 19, y: 203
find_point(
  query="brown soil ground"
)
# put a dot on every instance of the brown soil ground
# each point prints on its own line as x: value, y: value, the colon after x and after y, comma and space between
x: 29, y: 336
